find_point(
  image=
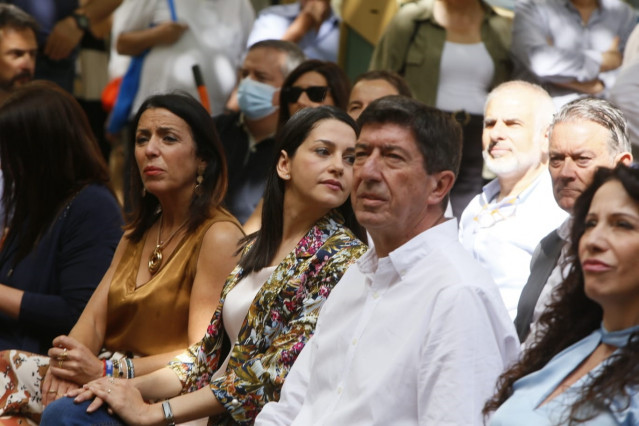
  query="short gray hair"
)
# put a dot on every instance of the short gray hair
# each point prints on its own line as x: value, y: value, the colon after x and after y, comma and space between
x: 294, y: 55
x: 544, y: 107
x: 601, y: 112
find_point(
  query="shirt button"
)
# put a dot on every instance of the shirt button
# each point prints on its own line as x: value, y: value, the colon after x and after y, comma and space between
x: 375, y: 295
x: 339, y: 390
x: 354, y: 342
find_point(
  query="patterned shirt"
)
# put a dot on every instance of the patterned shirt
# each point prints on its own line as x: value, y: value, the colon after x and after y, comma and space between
x: 279, y: 323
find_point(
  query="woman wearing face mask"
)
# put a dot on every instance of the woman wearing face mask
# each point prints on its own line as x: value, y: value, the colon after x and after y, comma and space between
x: 247, y: 135
x: 270, y: 302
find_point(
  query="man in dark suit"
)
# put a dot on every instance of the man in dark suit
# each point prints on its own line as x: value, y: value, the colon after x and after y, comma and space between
x: 586, y: 134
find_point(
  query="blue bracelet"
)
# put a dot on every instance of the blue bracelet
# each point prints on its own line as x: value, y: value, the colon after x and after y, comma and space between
x: 109, y: 368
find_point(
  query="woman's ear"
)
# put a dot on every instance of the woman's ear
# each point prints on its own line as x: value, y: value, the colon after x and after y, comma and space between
x: 284, y: 166
x: 201, y: 167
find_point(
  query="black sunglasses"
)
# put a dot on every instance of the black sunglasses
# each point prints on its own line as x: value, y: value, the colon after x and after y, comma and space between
x: 314, y: 93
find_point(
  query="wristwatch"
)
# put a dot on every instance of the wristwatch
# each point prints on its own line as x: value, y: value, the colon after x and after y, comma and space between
x: 81, y: 20
x: 168, y: 413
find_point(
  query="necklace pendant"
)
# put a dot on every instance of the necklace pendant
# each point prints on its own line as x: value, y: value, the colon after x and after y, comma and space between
x: 155, y: 260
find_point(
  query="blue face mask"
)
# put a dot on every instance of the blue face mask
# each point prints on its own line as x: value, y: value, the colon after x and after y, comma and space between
x: 256, y: 99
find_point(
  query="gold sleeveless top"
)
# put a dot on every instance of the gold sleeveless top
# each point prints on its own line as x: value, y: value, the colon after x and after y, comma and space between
x: 153, y: 318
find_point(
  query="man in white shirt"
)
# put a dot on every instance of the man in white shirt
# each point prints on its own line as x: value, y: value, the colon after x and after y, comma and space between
x: 415, y: 332
x: 311, y: 24
x: 585, y: 134
x: 502, y: 226
x: 625, y: 93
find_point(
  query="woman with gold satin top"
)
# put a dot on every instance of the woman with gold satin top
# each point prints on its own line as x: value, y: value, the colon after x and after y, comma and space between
x: 159, y: 293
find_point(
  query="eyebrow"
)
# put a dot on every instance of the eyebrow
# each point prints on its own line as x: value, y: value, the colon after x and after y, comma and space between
x: 161, y: 129
x: 384, y: 148
x: 332, y: 144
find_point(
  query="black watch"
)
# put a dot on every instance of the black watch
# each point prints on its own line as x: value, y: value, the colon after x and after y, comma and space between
x: 81, y: 21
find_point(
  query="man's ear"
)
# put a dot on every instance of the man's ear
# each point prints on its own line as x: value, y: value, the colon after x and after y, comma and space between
x: 624, y: 157
x: 441, y: 184
x: 284, y: 166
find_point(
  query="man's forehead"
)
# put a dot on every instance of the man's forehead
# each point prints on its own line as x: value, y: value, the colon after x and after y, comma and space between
x: 254, y: 59
x: 576, y: 136
x: 386, y: 134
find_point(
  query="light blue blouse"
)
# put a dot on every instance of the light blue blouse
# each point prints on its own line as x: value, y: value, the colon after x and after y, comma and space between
x: 523, y: 409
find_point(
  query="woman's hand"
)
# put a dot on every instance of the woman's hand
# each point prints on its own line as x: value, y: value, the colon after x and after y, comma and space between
x: 54, y: 388
x: 123, y: 399
x: 74, y: 362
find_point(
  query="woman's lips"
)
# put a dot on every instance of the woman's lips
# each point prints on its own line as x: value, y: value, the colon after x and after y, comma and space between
x: 333, y: 184
x: 152, y: 171
x: 594, y: 265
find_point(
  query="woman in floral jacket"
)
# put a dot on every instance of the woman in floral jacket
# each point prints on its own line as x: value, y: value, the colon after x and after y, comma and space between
x: 270, y: 302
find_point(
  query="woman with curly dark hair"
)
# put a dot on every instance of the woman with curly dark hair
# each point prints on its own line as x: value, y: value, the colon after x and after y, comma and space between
x: 583, y: 368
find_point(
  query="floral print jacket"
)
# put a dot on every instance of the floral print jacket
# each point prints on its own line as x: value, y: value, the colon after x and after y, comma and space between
x: 279, y: 322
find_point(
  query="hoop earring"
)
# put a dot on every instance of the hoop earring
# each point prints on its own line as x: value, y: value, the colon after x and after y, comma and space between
x: 143, y: 191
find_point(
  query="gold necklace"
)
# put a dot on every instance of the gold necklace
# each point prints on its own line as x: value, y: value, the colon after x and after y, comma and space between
x: 155, y: 260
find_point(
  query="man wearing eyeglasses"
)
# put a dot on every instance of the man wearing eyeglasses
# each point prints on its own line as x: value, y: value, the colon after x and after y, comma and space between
x: 584, y: 135
x: 502, y: 226
x: 247, y: 136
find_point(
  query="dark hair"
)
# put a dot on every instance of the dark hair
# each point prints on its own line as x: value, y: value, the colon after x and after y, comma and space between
x: 47, y: 154
x: 336, y: 79
x: 13, y: 17
x: 572, y: 316
x: 294, y: 55
x: 292, y: 135
x: 437, y: 135
x: 207, y: 147
x: 391, y: 77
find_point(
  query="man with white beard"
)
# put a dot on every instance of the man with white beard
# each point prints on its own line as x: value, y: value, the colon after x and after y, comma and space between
x: 502, y: 226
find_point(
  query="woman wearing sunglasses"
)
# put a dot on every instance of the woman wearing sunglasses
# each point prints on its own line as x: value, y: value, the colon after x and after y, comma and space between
x: 311, y: 84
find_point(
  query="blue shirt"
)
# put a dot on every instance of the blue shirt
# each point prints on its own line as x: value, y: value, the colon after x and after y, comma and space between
x: 551, y: 44
x: 273, y: 22
x: 523, y: 409
x: 58, y: 277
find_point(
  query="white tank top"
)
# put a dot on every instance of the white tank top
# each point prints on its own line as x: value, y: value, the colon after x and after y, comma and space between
x: 465, y: 74
x: 236, y: 306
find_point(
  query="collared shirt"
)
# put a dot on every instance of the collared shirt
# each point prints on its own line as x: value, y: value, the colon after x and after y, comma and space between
x: 502, y: 235
x: 417, y: 337
x: 272, y: 23
x: 552, y: 44
x: 625, y: 92
x: 523, y: 407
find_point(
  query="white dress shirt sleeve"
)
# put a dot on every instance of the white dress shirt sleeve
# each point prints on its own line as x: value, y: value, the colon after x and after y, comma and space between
x: 462, y: 356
